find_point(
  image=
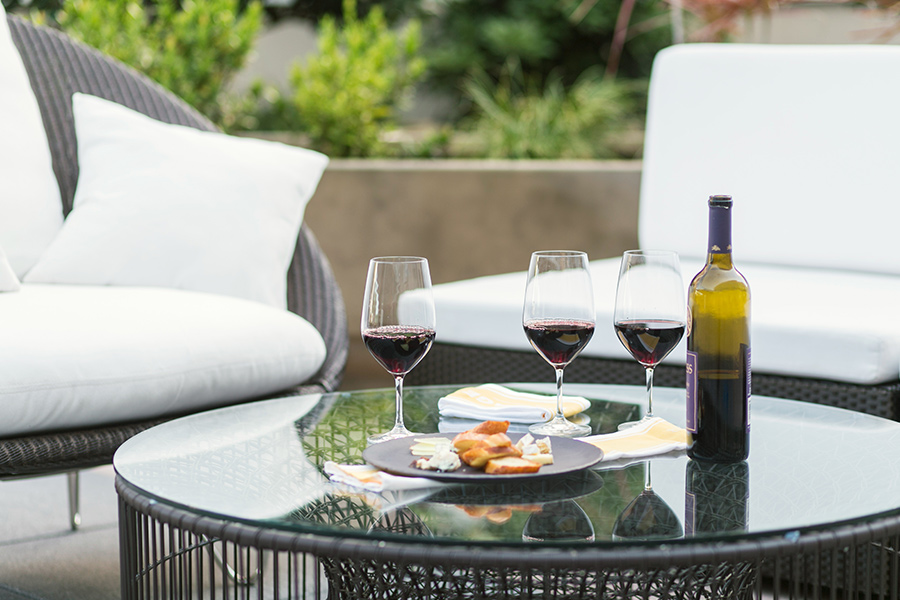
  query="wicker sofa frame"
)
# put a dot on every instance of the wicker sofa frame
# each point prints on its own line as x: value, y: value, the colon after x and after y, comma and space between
x: 59, y: 66
x: 451, y: 363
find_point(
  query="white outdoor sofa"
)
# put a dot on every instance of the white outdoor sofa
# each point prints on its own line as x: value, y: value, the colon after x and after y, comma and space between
x: 105, y: 338
x: 807, y: 140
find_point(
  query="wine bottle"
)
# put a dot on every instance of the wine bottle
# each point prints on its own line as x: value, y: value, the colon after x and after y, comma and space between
x: 718, y: 352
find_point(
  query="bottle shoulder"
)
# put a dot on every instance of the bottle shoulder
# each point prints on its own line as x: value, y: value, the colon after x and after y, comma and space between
x: 715, y: 278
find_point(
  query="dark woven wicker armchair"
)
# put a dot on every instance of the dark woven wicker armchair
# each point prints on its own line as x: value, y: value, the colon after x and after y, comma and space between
x: 58, y: 67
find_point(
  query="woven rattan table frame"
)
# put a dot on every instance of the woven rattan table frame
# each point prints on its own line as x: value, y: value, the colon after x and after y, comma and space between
x: 168, y: 552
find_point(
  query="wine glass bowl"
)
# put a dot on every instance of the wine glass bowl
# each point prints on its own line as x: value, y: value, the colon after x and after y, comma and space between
x: 650, y: 310
x: 398, y: 324
x: 558, y: 317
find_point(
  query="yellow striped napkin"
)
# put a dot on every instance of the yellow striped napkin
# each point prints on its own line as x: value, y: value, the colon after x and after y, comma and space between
x: 656, y: 436
x: 495, y: 402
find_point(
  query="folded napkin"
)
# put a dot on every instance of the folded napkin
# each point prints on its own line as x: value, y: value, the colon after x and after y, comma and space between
x: 495, y: 402
x: 369, y: 478
x: 655, y: 436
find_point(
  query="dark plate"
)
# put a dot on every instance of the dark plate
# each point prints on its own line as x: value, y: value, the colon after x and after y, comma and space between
x: 394, y: 457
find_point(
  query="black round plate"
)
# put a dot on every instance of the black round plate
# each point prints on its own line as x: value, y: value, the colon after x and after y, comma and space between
x: 394, y: 457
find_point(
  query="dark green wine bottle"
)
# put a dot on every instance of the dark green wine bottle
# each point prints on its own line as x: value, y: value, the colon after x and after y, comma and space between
x: 718, y: 352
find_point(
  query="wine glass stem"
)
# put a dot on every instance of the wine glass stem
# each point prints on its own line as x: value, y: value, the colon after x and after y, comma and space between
x: 398, y: 400
x: 559, y: 398
x: 649, y: 373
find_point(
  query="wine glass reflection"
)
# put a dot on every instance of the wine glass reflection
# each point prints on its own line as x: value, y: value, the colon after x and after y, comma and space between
x: 647, y: 517
x: 402, y: 521
x: 562, y: 521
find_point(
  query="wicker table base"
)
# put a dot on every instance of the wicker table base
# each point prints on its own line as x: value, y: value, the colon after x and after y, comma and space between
x: 172, y: 553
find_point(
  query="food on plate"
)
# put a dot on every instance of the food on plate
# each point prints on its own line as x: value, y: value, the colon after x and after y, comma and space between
x: 509, y: 465
x: 467, y: 439
x: 494, y: 446
x: 491, y: 427
x: 428, y: 446
x: 536, y: 450
x: 470, y: 437
x: 444, y: 459
x: 485, y: 446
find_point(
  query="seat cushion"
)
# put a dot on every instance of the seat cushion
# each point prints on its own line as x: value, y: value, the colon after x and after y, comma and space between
x: 80, y: 356
x: 805, y: 322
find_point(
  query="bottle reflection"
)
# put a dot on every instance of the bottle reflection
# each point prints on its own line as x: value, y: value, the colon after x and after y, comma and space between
x: 716, y: 497
x: 558, y: 521
x: 647, y: 516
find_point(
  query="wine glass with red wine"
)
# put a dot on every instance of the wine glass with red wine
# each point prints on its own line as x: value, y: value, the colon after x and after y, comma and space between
x: 397, y: 323
x: 650, y: 311
x: 559, y: 318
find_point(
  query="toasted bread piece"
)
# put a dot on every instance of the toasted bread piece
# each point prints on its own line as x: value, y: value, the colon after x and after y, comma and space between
x: 510, y: 465
x: 497, y: 439
x: 491, y: 427
x: 478, y: 456
x: 466, y: 440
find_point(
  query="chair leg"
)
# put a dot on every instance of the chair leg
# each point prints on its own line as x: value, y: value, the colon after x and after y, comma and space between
x: 74, y: 512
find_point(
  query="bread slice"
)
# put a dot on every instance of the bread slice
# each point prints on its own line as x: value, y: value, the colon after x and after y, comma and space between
x: 491, y: 427
x: 466, y: 440
x: 510, y: 465
x: 478, y: 456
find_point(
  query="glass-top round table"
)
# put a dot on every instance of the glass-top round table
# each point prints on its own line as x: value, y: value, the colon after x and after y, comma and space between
x: 237, y: 497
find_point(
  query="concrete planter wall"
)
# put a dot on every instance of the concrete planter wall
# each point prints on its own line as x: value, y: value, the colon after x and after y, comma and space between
x: 469, y: 218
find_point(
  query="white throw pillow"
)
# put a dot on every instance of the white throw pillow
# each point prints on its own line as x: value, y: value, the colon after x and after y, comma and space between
x: 83, y: 356
x: 171, y: 206
x: 30, y: 205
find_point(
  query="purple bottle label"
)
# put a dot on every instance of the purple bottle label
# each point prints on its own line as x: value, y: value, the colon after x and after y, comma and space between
x: 691, y: 387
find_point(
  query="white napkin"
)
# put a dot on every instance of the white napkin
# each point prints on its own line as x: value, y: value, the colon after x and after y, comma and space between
x: 497, y: 403
x: 369, y: 478
x: 655, y: 436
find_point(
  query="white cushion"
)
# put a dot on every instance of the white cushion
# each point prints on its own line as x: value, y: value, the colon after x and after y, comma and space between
x: 8, y: 280
x: 171, y: 206
x: 805, y: 322
x: 30, y: 205
x: 804, y: 137
x: 80, y: 356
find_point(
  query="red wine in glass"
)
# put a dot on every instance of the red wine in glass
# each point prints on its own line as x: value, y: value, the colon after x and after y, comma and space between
x: 397, y: 323
x: 398, y: 348
x: 650, y: 340
x: 558, y: 316
x: 649, y: 317
x: 559, y: 340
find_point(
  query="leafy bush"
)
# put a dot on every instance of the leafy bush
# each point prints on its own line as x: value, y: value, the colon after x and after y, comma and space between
x: 516, y: 117
x: 192, y: 47
x: 347, y: 95
x: 550, y: 39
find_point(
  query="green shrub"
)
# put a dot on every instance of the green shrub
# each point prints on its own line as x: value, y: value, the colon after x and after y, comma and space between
x: 517, y: 117
x: 550, y: 39
x: 192, y: 47
x: 346, y: 96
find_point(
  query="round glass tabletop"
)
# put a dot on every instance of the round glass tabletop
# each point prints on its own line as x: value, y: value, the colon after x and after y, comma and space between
x: 810, y: 467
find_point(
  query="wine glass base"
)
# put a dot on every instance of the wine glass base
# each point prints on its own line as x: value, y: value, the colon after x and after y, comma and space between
x: 393, y: 434
x: 560, y: 427
x: 630, y: 424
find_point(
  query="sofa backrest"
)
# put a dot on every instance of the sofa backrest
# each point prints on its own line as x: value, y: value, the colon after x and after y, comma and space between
x: 805, y: 138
